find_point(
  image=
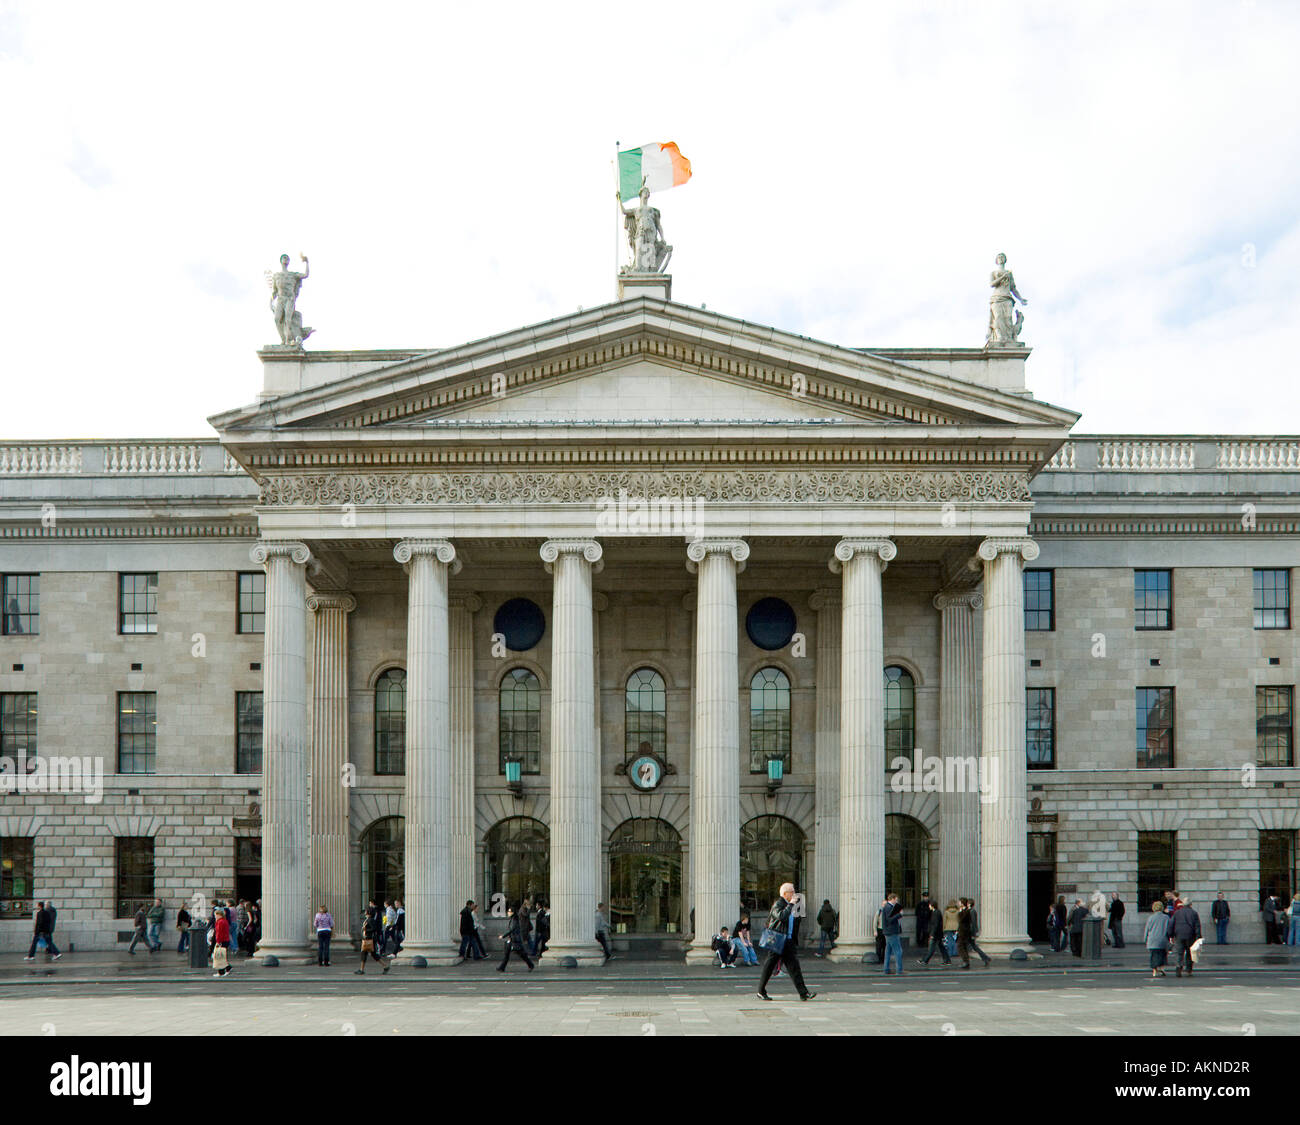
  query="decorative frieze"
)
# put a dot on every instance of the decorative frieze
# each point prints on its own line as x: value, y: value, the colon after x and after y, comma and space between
x: 714, y: 486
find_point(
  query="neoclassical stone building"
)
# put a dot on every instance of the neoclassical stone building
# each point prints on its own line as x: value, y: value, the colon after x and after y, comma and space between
x: 645, y: 604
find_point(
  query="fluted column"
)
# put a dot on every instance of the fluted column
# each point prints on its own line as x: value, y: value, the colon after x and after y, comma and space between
x: 959, y: 812
x: 862, y: 742
x: 575, y: 815
x: 329, y: 757
x: 286, y: 903
x: 715, y: 763
x: 826, y: 814
x: 463, y: 608
x: 428, y: 750
x: 1004, y: 878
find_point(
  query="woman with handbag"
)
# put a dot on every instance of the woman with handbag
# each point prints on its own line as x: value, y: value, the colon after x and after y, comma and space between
x: 183, y: 925
x: 371, y: 936
x: 514, y: 939
x: 1157, y: 938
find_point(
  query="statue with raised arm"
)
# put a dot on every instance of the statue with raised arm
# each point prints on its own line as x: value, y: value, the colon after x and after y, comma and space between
x: 285, y: 286
x: 1005, y: 320
x: 645, y: 236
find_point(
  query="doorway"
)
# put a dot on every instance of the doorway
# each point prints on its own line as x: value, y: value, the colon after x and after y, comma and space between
x: 248, y: 868
x: 1041, y: 883
x: 645, y: 877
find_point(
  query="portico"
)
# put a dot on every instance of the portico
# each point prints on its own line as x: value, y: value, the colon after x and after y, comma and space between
x: 815, y: 472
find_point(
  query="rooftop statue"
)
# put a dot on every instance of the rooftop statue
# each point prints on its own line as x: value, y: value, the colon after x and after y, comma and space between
x: 645, y: 236
x: 285, y: 286
x: 1004, y: 331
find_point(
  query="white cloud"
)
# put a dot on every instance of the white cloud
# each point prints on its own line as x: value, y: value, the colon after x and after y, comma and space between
x: 448, y: 171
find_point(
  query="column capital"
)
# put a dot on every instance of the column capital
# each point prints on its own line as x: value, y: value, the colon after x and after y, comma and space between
x: 266, y: 549
x: 1025, y: 547
x: 471, y: 602
x: 698, y: 549
x: 827, y: 598
x: 331, y: 600
x: 846, y: 549
x: 440, y: 550
x: 971, y: 599
x: 589, y: 549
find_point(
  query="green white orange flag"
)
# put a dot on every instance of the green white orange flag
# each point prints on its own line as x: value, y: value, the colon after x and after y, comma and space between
x: 661, y: 166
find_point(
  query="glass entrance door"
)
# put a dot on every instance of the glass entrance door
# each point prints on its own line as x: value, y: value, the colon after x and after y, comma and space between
x: 645, y: 877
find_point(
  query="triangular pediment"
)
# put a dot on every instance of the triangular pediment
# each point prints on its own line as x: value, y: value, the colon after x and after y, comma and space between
x: 642, y: 360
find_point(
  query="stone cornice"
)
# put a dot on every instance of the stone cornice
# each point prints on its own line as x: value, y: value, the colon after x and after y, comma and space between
x: 93, y: 531
x: 714, y: 486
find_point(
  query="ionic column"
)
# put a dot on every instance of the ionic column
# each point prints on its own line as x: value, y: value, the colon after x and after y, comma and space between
x: 959, y: 812
x: 862, y: 742
x: 575, y: 812
x: 286, y: 904
x: 428, y: 563
x: 715, y: 762
x: 826, y: 603
x: 1004, y: 891
x: 329, y: 757
x: 462, y: 610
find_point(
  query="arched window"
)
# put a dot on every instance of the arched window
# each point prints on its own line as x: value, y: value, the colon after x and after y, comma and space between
x: 900, y: 715
x: 769, y: 719
x: 907, y: 860
x: 771, y: 853
x: 520, y: 715
x: 383, y: 859
x: 645, y: 877
x: 390, y: 722
x: 518, y: 858
x: 645, y: 715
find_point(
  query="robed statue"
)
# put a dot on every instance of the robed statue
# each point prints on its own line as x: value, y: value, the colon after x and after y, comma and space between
x: 1005, y: 320
x: 645, y: 236
x: 285, y: 287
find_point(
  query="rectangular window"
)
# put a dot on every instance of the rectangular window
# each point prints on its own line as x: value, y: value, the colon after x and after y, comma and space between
x: 1153, y: 599
x: 1040, y: 601
x: 20, y: 600
x: 1157, y: 867
x: 137, y: 730
x: 18, y: 724
x: 137, y: 603
x: 248, y: 732
x: 252, y: 602
x: 1155, y: 728
x: 1040, y: 728
x: 134, y: 874
x: 1272, y: 599
x: 1274, y: 726
x: 1277, y: 865
x: 17, y: 876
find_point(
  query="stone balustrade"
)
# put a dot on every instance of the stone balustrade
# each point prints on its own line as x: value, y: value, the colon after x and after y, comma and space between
x: 158, y: 457
x: 1175, y: 455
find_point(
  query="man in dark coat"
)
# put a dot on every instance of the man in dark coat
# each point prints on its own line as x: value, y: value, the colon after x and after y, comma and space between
x: 923, y: 909
x: 515, y: 939
x: 1221, y: 912
x: 44, y: 927
x: 1078, y: 914
x: 468, y: 932
x: 968, y: 929
x: 1186, y: 929
x: 784, y: 918
x: 936, y: 939
x: 1116, y: 920
x: 1271, y: 905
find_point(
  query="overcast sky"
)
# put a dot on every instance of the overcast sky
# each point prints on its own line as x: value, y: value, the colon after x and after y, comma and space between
x: 447, y: 169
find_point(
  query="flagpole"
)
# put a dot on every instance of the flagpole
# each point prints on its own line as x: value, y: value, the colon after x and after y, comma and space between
x: 619, y: 221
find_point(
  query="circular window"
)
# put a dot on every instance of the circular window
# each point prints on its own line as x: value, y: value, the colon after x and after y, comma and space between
x: 770, y: 623
x: 521, y: 622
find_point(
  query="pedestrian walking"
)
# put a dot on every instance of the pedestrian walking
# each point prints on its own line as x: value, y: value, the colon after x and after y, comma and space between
x: 1293, y: 922
x: 781, y: 940
x: 515, y: 940
x: 1156, y: 937
x: 1186, y: 929
x: 323, y: 923
x: 525, y: 914
x: 1115, y: 920
x: 389, y: 920
x: 43, y: 934
x: 880, y: 937
x: 723, y: 947
x: 1272, y: 929
x: 156, y: 914
x: 602, y: 931
x: 140, y: 935
x: 372, y: 937
x: 241, y: 925
x: 936, y: 941
x: 951, y: 913
x: 923, y: 909
x: 469, y: 943
x: 743, y: 942
x: 220, y: 938
x: 968, y: 929
x: 1221, y: 915
x: 542, y: 928
x: 183, y: 923
x: 1062, y: 919
x: 890, y: 922
x: 399, y: 926
x: 827, y: 921
x: 1078, y: 915
x: 1053, y: 928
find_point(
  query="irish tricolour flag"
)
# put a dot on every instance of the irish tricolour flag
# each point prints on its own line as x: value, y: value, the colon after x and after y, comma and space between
x: 661, y: 166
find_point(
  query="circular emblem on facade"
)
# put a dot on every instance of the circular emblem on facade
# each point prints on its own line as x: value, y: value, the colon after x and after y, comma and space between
x: 646, y: 772
x: 521, y: 622
x: 770, y: 623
